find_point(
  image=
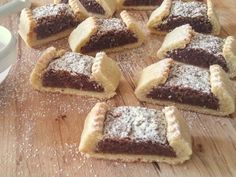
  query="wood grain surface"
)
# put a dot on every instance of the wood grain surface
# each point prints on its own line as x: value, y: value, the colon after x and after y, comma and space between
x: 40, y: 132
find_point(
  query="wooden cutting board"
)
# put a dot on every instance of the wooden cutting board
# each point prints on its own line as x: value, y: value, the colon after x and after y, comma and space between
x: 40, y: 132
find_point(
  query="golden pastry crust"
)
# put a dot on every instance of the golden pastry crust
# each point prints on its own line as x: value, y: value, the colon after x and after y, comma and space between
x: 229, y: 53
x: 177, y: 135
x: 151, y: 76
x: 176, y: 39
x: 158, y: 15
x: 163, y: 11
x: 120, y: 5
x: 89, y: 28
x: 27, y: 26
x: 104, y: 71
x: 79, y: 10
x: 220, y: 86
x: 213, y: 18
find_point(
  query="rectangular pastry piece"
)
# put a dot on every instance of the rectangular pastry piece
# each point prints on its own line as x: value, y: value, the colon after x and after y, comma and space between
x: 132, y: 134
x: 187, y: 87
x: 109, y: 35
x: 175, y: 13
x: 138, y: 4
x: 185, y: 45
x: 74, y: 73
x: 49, y: 22
x: 99, y: 8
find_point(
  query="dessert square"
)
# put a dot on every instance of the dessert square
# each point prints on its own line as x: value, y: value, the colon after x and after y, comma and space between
x: 131, y: 134
x: 109, y: 35
x: 138, y: 4
x: 187, y: 87
x: 183, y: 44
x: 74, y: 73
x: 99, y: 8
x: 175, y: 13
x: 49, y: 22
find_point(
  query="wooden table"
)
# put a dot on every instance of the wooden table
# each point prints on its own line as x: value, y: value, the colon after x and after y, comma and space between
x: 40, y: 132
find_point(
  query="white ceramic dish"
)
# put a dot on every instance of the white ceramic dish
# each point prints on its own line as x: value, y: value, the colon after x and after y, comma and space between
x: 8, y: 52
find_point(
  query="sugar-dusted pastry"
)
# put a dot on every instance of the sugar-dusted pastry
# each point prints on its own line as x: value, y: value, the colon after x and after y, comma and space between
x: 187, y: 87
x: 132, y: 134
x: 174, y: 13
x: 49, y: 22
x: 138, y: 4
x: 74, y: 73
x: 111, y: 34
x: 100, y: 8
x: 185, y: 45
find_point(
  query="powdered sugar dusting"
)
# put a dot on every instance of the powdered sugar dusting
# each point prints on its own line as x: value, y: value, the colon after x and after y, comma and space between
x: 136, y: 123
x: 74, y: 63
x: 111, y: 24
x: 210, y: 43
x: 51, y: 10
x: 188, y: 9
x: 189, y: 76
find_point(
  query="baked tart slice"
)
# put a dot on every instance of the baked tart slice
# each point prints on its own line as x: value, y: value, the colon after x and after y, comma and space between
x: 113, y: 34
x: 183, y: 44
x: 174, y: 13
x: 132, y: 134
x: 187, y: 87
x: 74, y: 73
x: 138, y: 4
x: 100, y: 8
x: 49, y: 22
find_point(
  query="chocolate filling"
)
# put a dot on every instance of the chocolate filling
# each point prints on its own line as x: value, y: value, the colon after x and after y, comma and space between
x: 135, y: 130
x: 142, y: 2
x: 203, y: 50
x: 52, y: 19
x: 193, y: 13
x: 64, y: 1
x: 111, y: 33
x: 187, y: 84
x: 71, y: 71
x: 92, y: 6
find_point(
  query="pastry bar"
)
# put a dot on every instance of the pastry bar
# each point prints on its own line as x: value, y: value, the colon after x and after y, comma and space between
x: 185, y: 45
x: 74, y: 73
x: 138, y: 4
x: 133, y: 134
x: 187, y: 87
x: 100, y: 8
x: 112, y: 34
x: 174, y: 13
x: 49, y: 22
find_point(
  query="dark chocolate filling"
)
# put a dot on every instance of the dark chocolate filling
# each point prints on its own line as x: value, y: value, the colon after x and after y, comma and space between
x: 109, y: 37
x: 192, y: 88
x: 198, y: 20
x: 64, y: 79
x: 47, y: 25
x: 142, y: 2
x: 131, y: 147
x: 198, y: 57
x: 92, y: 6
